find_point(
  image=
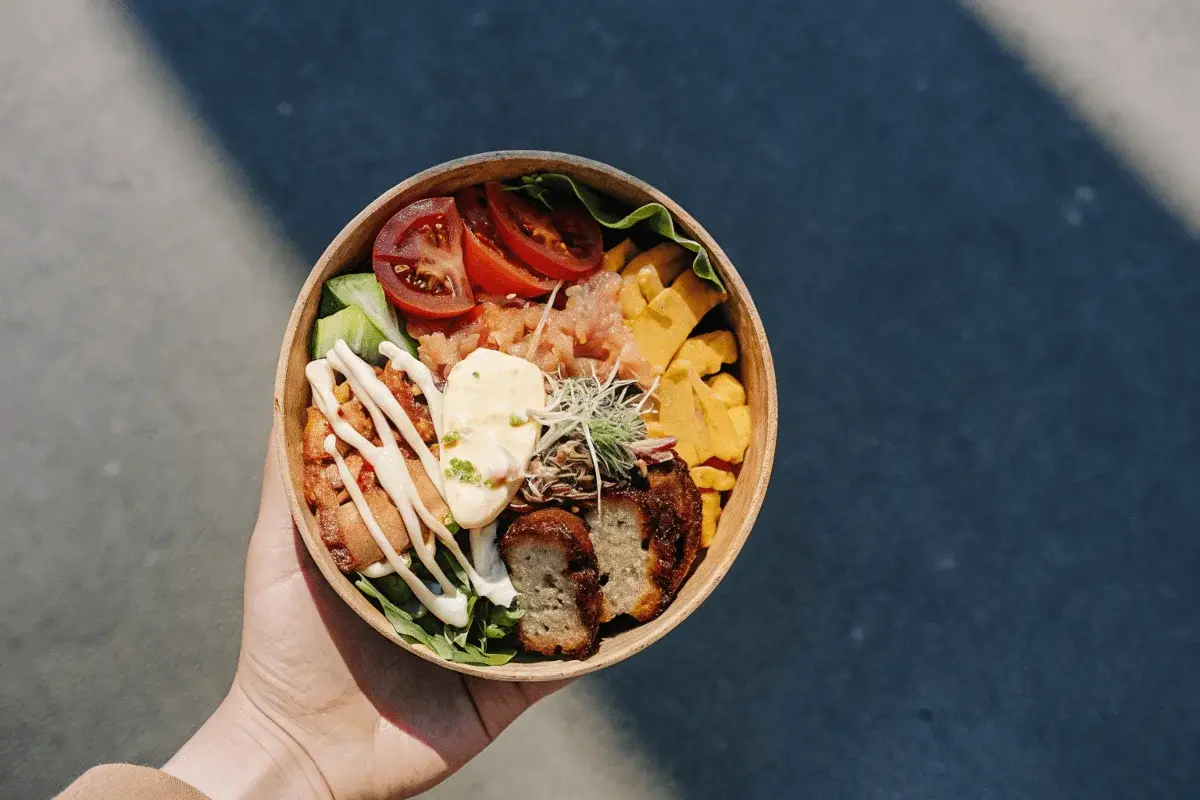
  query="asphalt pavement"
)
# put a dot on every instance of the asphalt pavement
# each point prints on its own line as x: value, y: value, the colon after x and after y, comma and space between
x: 967, y: 234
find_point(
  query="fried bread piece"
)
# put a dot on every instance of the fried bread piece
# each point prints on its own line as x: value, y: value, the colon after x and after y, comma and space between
x: 646, y: 542
x: 633, y: 535
x: 672, y: 483
x: 553, y: 568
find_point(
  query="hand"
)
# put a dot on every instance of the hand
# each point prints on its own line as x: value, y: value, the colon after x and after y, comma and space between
x: 321, y: 705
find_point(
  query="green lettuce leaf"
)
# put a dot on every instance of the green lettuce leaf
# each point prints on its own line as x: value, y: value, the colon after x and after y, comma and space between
x: 400, y: 619
x: 539, y: 185
x: 468, y: 645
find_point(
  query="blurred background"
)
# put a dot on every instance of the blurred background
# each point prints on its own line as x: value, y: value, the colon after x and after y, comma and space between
x: 970, y: 232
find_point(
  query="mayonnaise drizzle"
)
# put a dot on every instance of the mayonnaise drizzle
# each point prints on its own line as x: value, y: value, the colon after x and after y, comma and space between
x: 491, y: 568
x: 378, y: 570
x: 450, y: 608
x: 363, y: 381
x: 421, y: 376
x: 389, y: 463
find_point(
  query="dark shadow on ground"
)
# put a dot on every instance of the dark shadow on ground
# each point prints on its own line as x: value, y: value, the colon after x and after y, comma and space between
x: 975, y: 574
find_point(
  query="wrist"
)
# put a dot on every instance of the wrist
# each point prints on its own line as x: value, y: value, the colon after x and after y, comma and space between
x: 240, y: 753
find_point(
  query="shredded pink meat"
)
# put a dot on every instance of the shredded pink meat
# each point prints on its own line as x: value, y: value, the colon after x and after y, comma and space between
x: 588, y: 334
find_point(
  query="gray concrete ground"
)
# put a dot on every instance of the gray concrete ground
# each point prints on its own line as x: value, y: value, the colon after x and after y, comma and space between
x: 981, y: 530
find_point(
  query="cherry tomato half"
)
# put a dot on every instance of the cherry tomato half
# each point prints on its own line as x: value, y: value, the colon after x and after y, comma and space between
x: 418, y: 260
x: 564, y: 243
x: 490, y: 265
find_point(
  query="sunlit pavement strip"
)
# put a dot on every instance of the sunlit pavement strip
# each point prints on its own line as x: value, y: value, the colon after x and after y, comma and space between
x: 133, y: 263
x: 1131, y: 69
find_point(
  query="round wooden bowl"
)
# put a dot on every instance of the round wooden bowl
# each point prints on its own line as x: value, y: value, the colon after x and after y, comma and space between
x: 353, y: 244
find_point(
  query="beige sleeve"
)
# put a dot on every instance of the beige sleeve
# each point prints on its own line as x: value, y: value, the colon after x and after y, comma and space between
x: 127, y: 782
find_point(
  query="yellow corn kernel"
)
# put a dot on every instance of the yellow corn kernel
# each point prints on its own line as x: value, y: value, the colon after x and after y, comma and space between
x: 680, y: 417
x: 709, y: 351
x: 632, y: 302
x: 664, y: 324
x: 723, y: 439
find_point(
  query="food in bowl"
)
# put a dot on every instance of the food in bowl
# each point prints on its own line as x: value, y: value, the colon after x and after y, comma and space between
x: 524, y: 418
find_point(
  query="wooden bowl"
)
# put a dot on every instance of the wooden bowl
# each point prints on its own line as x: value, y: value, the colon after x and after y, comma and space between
x: 757, y: 372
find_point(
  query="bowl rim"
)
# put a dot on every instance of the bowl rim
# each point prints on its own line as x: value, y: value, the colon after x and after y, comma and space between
x: 680, y: 609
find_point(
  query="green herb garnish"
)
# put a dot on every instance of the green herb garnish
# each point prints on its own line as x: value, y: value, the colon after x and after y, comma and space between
x: 595, y: 439
x: 516, y: 420
x: 475, y: 375
x: 605, y: 415
x: 451, y: 438
x: 462, y: 470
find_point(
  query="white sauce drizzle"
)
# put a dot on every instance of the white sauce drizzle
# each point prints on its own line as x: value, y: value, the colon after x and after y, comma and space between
x: 389, y: 463
x: 490, y: 566
x: 363, y: 382
x: 449, y: 608
x: 421, y: 376
x: 378, y: 569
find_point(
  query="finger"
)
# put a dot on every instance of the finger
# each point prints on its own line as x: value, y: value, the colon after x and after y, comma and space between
x: 272, y: 556
x: 273, y: 505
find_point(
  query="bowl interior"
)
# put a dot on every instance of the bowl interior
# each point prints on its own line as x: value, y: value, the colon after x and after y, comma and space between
x: 755, y: 370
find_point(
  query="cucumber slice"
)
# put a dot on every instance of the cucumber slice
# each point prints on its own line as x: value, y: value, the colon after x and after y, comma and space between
x: 352, y: 325
x: 362, y: 289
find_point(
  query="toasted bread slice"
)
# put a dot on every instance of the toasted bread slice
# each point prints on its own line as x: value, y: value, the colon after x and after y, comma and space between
x: 635, y: 553
x: 553, y: 568
x: 672, y: 483
x: 646, y: 542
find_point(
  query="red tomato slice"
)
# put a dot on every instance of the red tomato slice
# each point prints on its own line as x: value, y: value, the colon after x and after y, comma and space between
x: 418, y: 259
x: 564, y: 243
x: 490, y: 265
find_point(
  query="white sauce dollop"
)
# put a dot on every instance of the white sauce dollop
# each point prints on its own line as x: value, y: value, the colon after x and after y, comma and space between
x: 489, y: 436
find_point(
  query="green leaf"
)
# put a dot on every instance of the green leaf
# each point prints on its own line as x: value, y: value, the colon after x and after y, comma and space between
x: 443, y: 648
x: 493, y: 631
x: 505, y: 617
x: 453, y: 569
x: 400, y: 619
x: 607, y: 213
x: 394, y: 589
x: 466, y: 645
x: 475, y: 655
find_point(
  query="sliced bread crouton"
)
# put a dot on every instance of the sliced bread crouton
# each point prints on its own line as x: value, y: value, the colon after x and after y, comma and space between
x: 635, y: 553
x: 553, y: 568
x: 646, y: 542
x: 672, y: 483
